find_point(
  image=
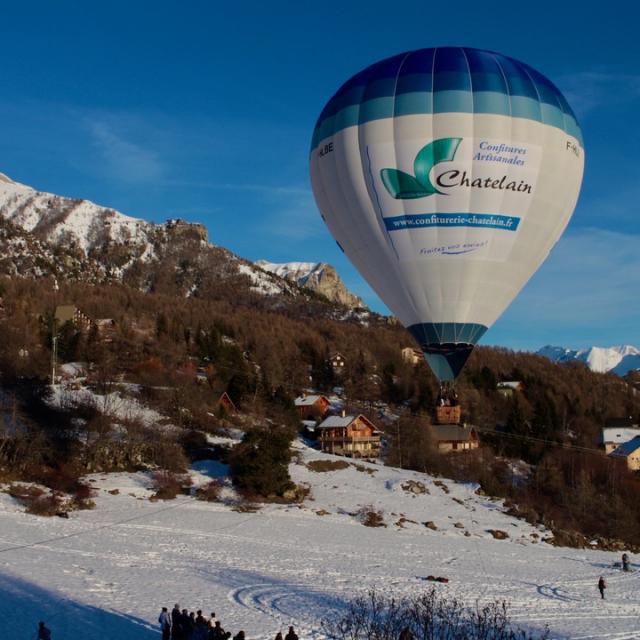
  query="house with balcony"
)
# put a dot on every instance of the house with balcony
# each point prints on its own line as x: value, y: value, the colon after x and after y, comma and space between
x: 352, y: 436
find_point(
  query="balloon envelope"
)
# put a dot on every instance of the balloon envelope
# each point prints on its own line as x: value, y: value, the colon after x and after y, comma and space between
x: 447, y: 175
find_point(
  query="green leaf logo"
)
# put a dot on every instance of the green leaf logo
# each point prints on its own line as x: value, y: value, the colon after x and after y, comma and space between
x: 403, y: 186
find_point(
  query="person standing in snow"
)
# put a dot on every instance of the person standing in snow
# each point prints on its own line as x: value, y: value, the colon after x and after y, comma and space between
x: 217, y: 633
x: 278, y: 635
x: 202, y: 628
x: 43, y: 632
x: 625, y: 562
x: 291, y: 635
x: 176, y: 623
x: 602, y: 585
x: 165, y: 623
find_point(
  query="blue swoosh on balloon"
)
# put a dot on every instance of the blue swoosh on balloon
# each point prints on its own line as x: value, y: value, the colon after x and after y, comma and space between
x: 457, y: 253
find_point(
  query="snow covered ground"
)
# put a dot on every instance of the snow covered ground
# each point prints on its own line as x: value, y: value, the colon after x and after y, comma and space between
x: 105, y: 573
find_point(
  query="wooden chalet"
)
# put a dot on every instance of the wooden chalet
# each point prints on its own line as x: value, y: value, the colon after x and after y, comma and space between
x: 70, y: 313
x: 312, y: 406
x: 337, y: 362
x: 352, y: 436
x: 454, y: 437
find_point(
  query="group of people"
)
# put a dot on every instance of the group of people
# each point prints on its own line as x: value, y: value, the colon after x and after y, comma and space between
x: 447, y: 397
x: 181, y: 624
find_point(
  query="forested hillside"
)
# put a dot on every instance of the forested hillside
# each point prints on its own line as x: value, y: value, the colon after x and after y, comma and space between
x: 265, y: 351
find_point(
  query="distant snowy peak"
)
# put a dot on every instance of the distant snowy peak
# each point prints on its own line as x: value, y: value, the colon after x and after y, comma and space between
x: 316, y: 276
x: 619, y: 360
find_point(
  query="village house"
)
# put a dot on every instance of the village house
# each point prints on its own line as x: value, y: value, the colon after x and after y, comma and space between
x: 612, y: 437
x: 70, y: 313
x: 312, y: 406
x: 337, y: 362
x: 352, y: 436
x: 226, y: 403
x: 411, y: 355
x: 630, y: 452
x: 454, y: 437
x: 508, y: 387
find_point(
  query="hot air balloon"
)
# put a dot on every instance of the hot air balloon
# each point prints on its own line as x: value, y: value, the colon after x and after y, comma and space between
x: 447, y: 175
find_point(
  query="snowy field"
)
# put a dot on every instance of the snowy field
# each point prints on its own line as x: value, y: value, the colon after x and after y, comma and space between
x: 105, y: 573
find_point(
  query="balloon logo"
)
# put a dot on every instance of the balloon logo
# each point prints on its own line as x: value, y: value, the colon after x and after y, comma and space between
x: 402, y: 185
x: 447, y: 175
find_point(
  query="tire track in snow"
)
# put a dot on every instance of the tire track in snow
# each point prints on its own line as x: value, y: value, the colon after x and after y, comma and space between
x: 285, y: 603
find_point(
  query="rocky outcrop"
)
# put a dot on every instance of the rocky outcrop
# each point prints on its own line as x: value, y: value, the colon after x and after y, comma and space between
x: 318, y: 277
x: 182, y: 229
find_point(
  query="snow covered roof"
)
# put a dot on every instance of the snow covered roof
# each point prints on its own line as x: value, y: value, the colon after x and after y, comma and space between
x: 308, y: 401
x: 342, y: 421
x: 619, y: 436
x: 627, y: 448
x: 336, y: 421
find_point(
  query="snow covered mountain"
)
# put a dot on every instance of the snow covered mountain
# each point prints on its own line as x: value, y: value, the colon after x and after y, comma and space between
x: 619, y: 360
x: 317, y: 276
x: 70, y: 221
x: 43, y: 234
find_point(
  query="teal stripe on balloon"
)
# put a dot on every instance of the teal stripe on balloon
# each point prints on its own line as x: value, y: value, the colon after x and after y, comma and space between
x: 446, y: 102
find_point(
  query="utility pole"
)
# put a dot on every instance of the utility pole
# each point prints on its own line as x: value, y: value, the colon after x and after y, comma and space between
x: 54, y: 352
x: 54, y: 334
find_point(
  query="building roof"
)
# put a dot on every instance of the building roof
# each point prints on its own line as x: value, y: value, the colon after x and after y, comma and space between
x: 308, y: 401
x: 65, y: 312
x: 619, y: 435
x: 451, y: 432
x: 627, y: 448
x: 336, y: 422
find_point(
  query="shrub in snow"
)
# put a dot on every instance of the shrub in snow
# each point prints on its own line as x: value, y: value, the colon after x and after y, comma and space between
x: 371, y: 517
x: 49, y: 505
x: 168, y: 485
x: 430, y: 616
x: 209, y: 492
x: 321, y: 466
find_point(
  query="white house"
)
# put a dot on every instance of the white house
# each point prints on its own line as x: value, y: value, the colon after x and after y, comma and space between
x: 613, y: 437
x: 630, y: 451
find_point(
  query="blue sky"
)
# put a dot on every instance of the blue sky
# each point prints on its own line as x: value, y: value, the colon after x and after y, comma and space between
x: 204, y: 110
